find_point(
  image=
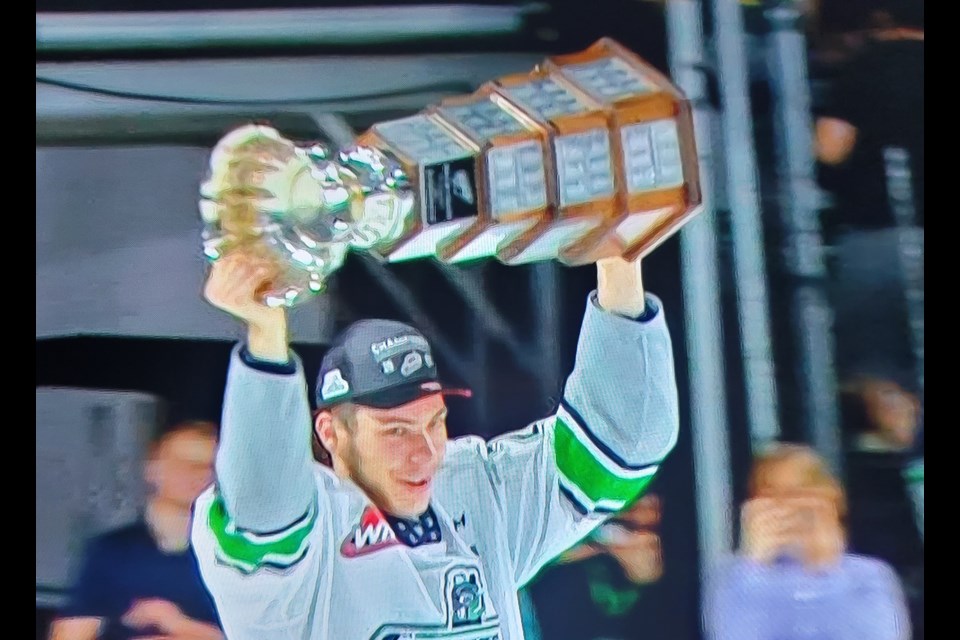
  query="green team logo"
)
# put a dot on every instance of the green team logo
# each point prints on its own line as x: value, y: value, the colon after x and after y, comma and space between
x: 465, y: 597
x: 467, y: 615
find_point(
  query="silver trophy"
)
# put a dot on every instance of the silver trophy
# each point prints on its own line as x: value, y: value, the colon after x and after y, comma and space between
x: 587, y: 156
x: 299, y: 206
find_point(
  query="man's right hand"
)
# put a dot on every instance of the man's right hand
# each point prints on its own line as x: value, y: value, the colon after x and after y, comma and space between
x: 233, y: 285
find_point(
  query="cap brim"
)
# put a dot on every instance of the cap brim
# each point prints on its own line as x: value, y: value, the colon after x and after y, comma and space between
x: 405, y: 394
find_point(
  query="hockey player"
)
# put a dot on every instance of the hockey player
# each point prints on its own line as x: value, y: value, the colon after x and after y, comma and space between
x: 409, y: 536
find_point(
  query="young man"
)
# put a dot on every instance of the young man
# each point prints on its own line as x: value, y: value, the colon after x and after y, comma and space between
x: 410, y: 536
x: 141, y: 580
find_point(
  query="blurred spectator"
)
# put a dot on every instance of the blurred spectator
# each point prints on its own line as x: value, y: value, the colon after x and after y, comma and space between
x: 141, y: 581
x: 606, y: 587
x: 792, y: 577
x: 879, y: 415
x: 876, y: 101
x: 873, y: 113
x: 836, y: 30
x: 881, y: 421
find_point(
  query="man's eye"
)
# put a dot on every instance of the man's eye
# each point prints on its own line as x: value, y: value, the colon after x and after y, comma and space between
x: 396, y: 431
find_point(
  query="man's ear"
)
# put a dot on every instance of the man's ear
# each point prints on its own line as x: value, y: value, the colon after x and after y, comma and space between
x: 324, y: 431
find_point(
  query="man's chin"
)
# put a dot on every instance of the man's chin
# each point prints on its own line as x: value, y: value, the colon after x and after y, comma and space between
x: 414, y: 501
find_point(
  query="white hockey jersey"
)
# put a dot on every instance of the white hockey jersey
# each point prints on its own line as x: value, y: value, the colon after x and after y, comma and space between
x: 505, y: 508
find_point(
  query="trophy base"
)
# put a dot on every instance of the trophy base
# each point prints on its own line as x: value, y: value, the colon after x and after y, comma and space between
x: 628, y: 238
x: 547, y: 245
x: 483, y: 241
x: 426, y: 243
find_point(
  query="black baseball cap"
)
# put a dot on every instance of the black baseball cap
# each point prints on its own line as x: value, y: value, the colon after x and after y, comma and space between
x: 381, y: 364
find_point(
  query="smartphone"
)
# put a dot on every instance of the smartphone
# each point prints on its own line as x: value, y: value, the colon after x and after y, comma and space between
x: 610, y: 533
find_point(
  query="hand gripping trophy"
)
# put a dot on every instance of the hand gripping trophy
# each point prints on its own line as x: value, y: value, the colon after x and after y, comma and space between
x: 589, y: 155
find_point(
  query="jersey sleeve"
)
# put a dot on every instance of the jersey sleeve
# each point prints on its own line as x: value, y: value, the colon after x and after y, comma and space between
x: 559, y: 478
x: 258, y: 531
x: 265, y: 585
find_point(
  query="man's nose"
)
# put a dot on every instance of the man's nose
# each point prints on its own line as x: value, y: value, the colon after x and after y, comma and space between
x: 424, y: 449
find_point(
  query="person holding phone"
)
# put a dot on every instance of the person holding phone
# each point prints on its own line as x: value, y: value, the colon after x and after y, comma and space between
x: 793, y: 576
x: 607, y: 587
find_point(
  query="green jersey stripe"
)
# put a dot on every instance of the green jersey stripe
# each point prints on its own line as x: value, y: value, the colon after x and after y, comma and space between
x: 594, y: 482
x: 608, y: 506
x: 248, y: 551
x: 612, y: 466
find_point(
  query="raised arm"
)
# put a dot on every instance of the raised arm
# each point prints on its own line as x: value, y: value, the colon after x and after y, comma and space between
x: 618, y: 420
x: 263, y: 465
x: 620, y: 407
x: 255, y: 533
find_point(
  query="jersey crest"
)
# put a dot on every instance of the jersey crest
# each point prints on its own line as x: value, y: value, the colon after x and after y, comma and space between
x: 465, y: 596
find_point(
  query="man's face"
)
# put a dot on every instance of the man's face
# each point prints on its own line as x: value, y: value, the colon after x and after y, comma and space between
x: 393, y: 454
x: 182, y: 467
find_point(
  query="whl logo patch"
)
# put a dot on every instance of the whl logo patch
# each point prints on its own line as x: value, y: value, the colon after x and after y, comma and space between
x: 372, y: 534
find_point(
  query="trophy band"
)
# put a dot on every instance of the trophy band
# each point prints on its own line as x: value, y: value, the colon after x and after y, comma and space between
x: 589, y: 155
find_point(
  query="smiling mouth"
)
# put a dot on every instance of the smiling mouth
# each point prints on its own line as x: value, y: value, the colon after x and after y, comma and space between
x: 419, y: 485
